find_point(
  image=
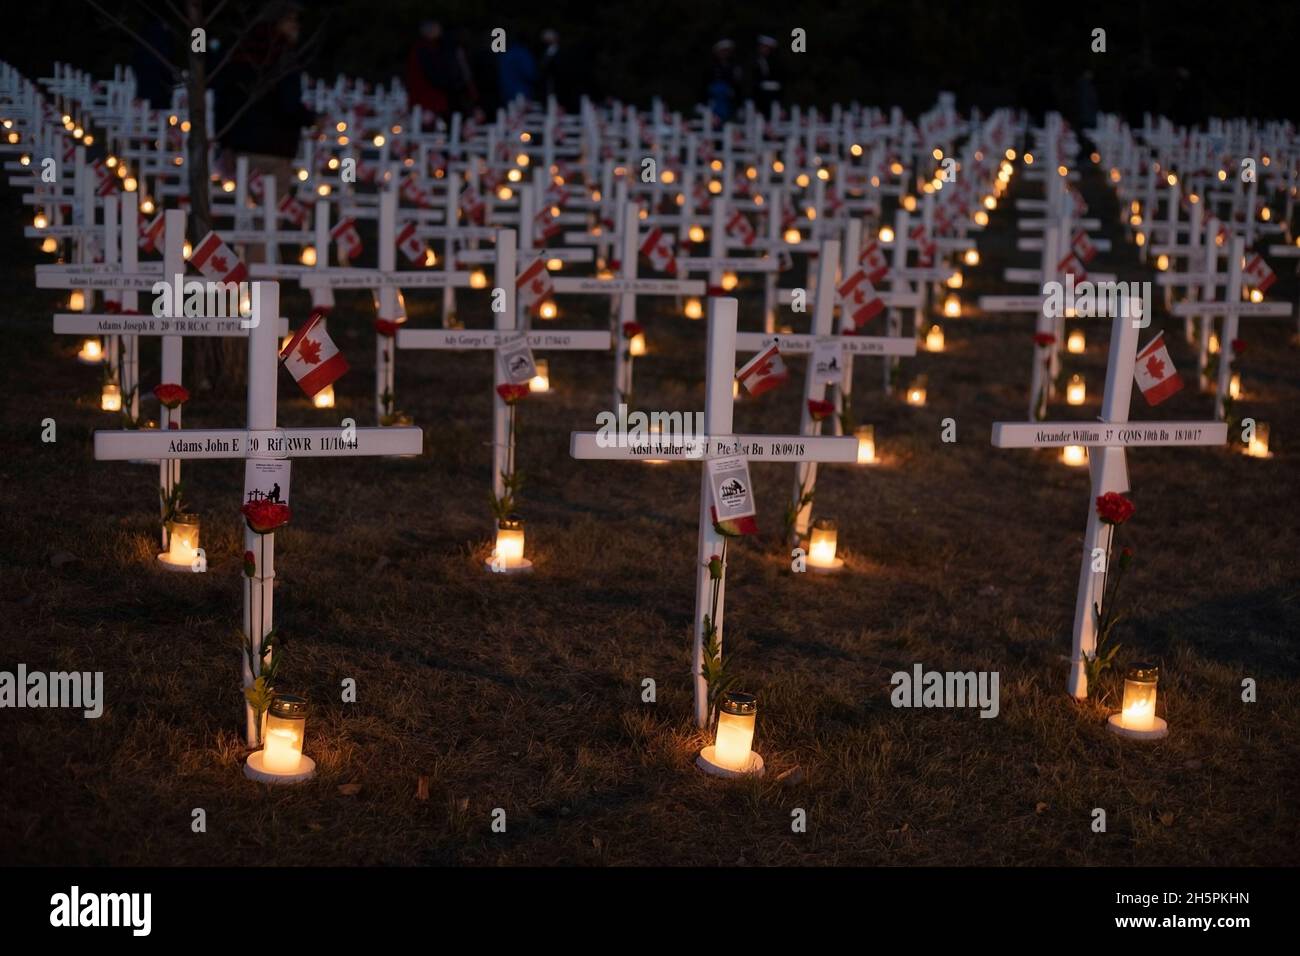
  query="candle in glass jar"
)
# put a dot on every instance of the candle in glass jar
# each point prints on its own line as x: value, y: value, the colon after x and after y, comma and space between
x: 733, y: 746
x: 934, y: 339
x: 1076, y: 344
x: 1076, y: 391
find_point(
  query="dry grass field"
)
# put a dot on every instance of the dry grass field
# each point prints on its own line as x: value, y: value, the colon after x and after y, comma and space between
x: 523, y: 693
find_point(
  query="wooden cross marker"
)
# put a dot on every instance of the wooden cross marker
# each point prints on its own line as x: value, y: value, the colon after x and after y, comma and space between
x: 261, y: 441
x: 1110, y: 437
x: 717, y: 442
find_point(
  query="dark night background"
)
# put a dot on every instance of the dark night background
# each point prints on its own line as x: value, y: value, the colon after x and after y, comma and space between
x: 1187, y: 60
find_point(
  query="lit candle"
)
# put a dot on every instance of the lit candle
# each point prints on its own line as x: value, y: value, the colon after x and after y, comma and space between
x: 952, y: 306
x: 92, y: 351
x: 694, y: 308
x: 934, y: 339
x: 541, y: 381
x: 1076, y: 391
x: 733, y: 745
x: 1258, y: 445
x: 636, y: 345
x: 822, y: 543
x: 1162, y: 262
x: 182, y: 542
x: 1139, y: 710
x: 866, y: 435
x: 110, y: 399
x: 1234, y: 385
x: 510, y: 542
x: 792, y: 235
x: 1076, y: 343
x: 324, y: 398
x: 548, y: 310
x: 77, y: 301
x: 554, y: 265
x: 1213, y: 346
x: 478, y: 279
x: 308, y: 257
x: 695, y: 234
x: 955, y: 280
x: 286, y: 726
x: 729, y: 281
x: 886, y: 235
x: 916, y: 391
x: 972, y: 257
x: 49, y: 244
x: 1074, y: 455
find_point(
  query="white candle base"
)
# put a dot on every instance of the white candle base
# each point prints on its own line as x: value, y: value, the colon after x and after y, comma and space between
x: 836, y: 565
x: 523, y: 566
x: 706, y: 762
x: 165, y: 562
x: 255, y: 769
x: 1158, y: 729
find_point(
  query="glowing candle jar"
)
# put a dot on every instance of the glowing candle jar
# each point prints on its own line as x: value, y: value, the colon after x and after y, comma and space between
x: 866, y: 436
x: 49, y: 244
x: 734, y: 743
x: 934, y: 339
x: 694, y: 308
x: 729, y: 281
x: 1137, y: 718
x: 1074, y: 455
x: 182, y: 552
x: 636, y: 345
x: 478, y: 279
x: 1258, y: 445
x: 822, y: 543
x: 793, y: 236
x: 695, y: 234
x: 916, y: 391
x: 308, y: 257
x: 92, y: 352
x: 1076, y: 391
x: 324, y: 398
x: 1234, y: 385
x: 541, y: 381
x: 886, y: 235
x: 952, y: 306
x: 972, y: 257
x: 1213, y: 346
x: 77, y: 301
x: 286, y: 726
x: 110, y: 398
x: 1076, y: 344
x: 547, y: 310
x: 955, y: 280
x: 508, y: 555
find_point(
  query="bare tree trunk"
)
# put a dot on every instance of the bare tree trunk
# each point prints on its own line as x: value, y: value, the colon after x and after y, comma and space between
x: 217, y: 363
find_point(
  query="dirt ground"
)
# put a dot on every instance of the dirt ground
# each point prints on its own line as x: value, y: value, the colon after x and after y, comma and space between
x: 524, y: 693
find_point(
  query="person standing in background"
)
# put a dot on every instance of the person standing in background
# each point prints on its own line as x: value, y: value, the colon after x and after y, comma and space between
x: 767, y: 87
x: 722, y: 85
x: 431, y: 70
x: 516, y: 72
x: 557, y: 73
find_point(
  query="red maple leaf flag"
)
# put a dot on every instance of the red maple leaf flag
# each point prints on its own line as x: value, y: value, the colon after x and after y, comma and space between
x: 1155, y: 373
x: 312, y: 358
x: 412, y: 246
x: 858, y: 297
x: 256, y: 186
x: 925, y: 246
x: 764, y: 372
x: 293, y: 210
x: 738, y: 228
x: 348, y: 239
x: 150, y: 233
x: 873, y: 261
x: 534, y: 285
x: 1257, y: 274
x: 658, y: 248
x: 1082, y: 247
x: 214, y: 259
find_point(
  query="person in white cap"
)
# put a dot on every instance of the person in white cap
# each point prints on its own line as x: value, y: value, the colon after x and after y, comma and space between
x: 766, y: 78
x: 722, y: 87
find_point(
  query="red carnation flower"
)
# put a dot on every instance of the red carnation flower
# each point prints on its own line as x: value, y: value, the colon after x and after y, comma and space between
x: 387, y: 327
x: 113, y: 308
x: 263, y: 517
x: 510, y: 394
x: 820, y: 409
x: 1238, y: 346
x: 250, y: 564
x: 632, y: 329
x: 172, y: 396
x: 1114, y: 508
x: 1044, y: 339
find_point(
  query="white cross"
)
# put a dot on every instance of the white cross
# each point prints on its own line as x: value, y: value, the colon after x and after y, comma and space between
x: 717, y: 442
x: 261, y: 439
x: 1107, y: 466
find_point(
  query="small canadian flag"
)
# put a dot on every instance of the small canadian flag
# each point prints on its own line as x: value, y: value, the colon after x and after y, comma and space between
x: 347, y: 237
x: 764, y: 372
x: 1155, y: 373
x: 1257, y: 274
x: 292, y: 210
x: 658, y: 248
x: 312, y: 358
x: 859, y: 299
x: 1071, y: 265
x: 471, y: 204
x: 738, y: 228
x: 1082, y: 247
x: 534, y: 285
x: 150, y: 233
x: 925, y: 246
x: 873, y: 261
x: 215, y: 260
x: 256, y: 186
x: 545, y: 225
x: 412, y: 246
